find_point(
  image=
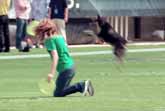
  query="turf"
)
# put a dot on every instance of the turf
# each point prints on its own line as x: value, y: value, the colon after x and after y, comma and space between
x: 137, y: 85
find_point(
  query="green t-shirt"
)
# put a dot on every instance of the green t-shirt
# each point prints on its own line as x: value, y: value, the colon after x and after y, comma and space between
x: 58, y: 43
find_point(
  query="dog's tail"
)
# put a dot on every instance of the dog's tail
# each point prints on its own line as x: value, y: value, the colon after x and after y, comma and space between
x: 120, y: 50
x: 119, y: 53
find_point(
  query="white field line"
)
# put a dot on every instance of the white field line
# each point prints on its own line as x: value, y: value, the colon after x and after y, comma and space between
x: 107, y: 45
x: 80, y: 53
x: 129, y: 44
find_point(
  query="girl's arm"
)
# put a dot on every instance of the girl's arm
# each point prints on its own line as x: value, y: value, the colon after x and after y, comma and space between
x: 66, y: 15
x: 53, y: 65
x: 49, y: 12
x: 47, y: 6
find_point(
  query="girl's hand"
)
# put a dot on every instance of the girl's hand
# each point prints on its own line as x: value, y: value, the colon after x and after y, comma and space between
x: 66, y: 20
x: 53, y: 65
x: 50, y: 76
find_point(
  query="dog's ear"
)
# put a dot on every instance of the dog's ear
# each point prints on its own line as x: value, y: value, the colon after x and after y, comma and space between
x: 100, y: 20
x: 98, y: 17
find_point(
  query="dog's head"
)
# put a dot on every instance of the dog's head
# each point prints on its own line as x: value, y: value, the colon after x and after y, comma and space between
x: 103, y: 24
x: 100, y: 20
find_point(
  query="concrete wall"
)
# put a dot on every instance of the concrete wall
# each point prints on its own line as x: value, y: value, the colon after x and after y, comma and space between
x: 75, y: 32
x: 150, y: 25
x: 76, y: 27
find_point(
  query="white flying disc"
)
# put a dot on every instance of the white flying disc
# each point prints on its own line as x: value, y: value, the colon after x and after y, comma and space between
x: 45, y: 87
x: 31, y: 28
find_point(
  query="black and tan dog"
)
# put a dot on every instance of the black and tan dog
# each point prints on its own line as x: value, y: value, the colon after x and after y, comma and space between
x: 110, y: 36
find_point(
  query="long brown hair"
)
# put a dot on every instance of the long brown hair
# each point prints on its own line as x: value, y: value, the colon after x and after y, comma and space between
x: 46, y: 28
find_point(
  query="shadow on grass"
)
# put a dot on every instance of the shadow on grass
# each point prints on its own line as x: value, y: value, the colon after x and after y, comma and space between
x: 36, y: 97
x: 16, y: 98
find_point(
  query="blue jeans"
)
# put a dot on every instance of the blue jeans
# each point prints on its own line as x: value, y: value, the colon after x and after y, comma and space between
x: 20, y: 32
x: 63, y: 87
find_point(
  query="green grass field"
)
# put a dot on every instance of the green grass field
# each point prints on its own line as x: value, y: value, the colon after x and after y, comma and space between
x: 137, y: 85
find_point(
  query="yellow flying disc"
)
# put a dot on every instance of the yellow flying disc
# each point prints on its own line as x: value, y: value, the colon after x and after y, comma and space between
x: 31, y: 28
x: 45, y: 87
